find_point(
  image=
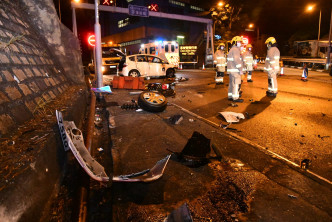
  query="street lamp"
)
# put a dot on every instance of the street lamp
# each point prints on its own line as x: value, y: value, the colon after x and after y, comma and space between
x: 220, y: 4
x: 309, y: 9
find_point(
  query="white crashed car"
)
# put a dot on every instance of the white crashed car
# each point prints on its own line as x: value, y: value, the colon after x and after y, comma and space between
x: 147, y: 66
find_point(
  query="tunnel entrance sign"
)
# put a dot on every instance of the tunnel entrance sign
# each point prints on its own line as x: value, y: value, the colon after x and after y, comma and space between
x: 136, y: 10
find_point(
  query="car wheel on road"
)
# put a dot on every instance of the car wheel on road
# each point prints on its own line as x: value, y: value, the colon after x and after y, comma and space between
x: 170, y: 73
x: 134, y: 73
x: 152, y: 102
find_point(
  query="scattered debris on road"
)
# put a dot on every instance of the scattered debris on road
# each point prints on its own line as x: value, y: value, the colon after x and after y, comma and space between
x: 180, y: 214
x: 232, y: 117
x: 322, y: 137
x: 100, y: 149
x: 233, y: 105
x: 305, y: 164
x: 292, y: 196
x: 175, y: 119
x: 195, y: 152
x: 105, y: 89
x: 181, y: 79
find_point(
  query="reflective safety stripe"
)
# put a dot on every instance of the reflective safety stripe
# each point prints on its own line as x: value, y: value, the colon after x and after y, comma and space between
x: 229, y: 94
x: 219, y: 79
x: 219, y: 65
x: 238, y: 66
x: 276, y: 57
x: 230, y: 59
x: 223, y: 64
x: 233, y: 70
x: 267, y: 59
x: 268, y: 69
x: 273, y: 62
x: 215, y: 61
x: 248, y: 57
x: 220, y: 57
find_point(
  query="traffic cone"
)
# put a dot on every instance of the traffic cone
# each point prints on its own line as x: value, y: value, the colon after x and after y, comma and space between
x: 282, y: 71
x: 203, y: 68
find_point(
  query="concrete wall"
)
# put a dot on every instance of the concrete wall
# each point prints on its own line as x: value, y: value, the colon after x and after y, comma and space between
x: 39, y: 59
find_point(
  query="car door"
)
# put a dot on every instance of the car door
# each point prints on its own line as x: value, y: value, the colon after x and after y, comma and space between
x: 142, y: 65
x: 156, y: 66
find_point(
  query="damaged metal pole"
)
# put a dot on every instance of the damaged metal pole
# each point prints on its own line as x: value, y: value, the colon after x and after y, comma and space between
x: 90, y: 124
x: 83, y: 210
x: 98, y: 47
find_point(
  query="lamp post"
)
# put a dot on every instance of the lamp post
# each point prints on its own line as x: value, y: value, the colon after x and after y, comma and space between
x: 309, y: 9
x: 98, y: 46
x: 74, y: 19
x: 328, y: 59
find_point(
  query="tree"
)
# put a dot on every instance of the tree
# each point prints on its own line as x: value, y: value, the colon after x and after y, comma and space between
x: 226, y: 16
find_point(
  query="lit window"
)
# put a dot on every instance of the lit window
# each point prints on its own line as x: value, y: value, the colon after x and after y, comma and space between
x: 123, y: 23
x: 176, y: 3
x: 196, y: 8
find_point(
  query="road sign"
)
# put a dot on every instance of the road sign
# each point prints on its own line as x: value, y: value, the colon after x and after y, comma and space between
x: 136, y: 10
x: 92, y: 40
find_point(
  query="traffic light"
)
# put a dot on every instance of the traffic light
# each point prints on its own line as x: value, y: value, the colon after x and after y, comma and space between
x: 153, y: 7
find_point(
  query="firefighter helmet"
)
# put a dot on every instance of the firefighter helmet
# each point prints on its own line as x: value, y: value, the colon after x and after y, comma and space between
x: 222, y: 44
x: 249, y: 46
x: 236, y: 39
x: 270, y: 41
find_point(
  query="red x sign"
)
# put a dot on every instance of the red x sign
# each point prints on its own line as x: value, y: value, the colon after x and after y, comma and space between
x: 154, y: 7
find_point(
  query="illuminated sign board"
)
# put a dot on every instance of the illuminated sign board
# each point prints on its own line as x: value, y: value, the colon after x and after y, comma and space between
x: 186, y: 50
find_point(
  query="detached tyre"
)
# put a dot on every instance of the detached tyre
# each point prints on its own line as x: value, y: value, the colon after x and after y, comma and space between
x: 152, y: 102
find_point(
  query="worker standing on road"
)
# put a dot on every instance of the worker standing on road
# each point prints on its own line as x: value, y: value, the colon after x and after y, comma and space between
x: 220, y: 60
x: 249, y: 61
x: 305, y: 73
x: 272, y: 66
x: 234, y: 67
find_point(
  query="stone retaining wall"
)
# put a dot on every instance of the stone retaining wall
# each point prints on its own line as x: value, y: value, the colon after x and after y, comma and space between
x: 39, y: 59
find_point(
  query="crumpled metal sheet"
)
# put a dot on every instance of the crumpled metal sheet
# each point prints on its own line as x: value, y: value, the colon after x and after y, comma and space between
x: 232, y: 117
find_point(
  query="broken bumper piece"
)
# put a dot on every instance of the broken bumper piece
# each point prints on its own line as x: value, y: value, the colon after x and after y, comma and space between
x: 72, y: 139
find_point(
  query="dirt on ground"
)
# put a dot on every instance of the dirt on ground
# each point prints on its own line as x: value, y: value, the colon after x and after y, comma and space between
x: 227, y: 197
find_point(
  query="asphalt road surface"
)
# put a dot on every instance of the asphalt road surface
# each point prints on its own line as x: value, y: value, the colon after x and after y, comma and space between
x: 296, y: 125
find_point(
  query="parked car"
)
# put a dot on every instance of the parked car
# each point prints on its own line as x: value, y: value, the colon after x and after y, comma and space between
x: 147, y: 66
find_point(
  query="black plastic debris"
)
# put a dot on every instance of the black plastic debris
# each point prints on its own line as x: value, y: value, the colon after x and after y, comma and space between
x: 322, y: 137
x: 233, y: 105
x: 305, y: 163
x: 132, y: 105
x: 194, y: 154
x: 181, y: 214
x: 176, y: 119
x: 166, y: 90
x: 29, y: 149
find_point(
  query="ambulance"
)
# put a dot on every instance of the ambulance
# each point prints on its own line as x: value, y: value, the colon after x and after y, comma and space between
x: 167, y: 50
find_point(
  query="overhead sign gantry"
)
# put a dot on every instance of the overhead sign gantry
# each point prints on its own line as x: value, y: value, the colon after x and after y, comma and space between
x: 208, y: 22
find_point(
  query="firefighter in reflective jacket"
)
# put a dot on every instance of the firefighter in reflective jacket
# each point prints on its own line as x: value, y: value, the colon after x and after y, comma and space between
x: 248, y: 61
x: 272, y: 66
x: 234, y: 68
x: 220, y: 61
